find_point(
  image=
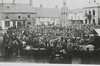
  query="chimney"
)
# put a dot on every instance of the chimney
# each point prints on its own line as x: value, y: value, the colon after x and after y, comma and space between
x: 30, y: 2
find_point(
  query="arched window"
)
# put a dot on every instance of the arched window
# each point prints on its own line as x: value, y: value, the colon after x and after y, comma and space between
x: 14, y: 23
x: 93, y: 12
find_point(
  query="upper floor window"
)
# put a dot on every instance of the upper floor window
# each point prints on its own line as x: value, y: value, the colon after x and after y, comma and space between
x: 19, y: 17
x: 28, y: 16
x: 85, y: 21
x: 29, y: 23
x: 89, y: 12
x: 94, y: 21
x: 93, y: 12
x: 7, y: 23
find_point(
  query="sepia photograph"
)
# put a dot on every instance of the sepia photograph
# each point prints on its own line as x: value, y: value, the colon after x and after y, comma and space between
x: 50, y: 31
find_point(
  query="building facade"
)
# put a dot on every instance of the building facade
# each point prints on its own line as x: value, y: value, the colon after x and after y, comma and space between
x: 24, y: 15
x: 92, y: 15
x: 47, y: 16
x: 16, y: 15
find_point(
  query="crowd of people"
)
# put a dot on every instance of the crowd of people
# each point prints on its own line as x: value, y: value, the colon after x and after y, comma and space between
x: 55, y: 39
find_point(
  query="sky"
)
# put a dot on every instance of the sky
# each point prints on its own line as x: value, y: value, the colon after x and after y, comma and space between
x: 71, y: 4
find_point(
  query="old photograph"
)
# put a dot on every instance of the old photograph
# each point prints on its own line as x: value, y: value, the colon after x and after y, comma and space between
x: 50, y: 31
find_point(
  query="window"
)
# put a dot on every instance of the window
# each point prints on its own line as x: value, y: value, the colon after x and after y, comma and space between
x: 98, y: 21
x: 94, y: 22
x: 7, y: 23
x: 14, y: 23
x: 81, y: 21
x: 89, y: 12
x: 19, y: 24
x: 93, y: 12
x: 85, y: 21
x: 8, y: 7
x: 29, y: 23
x: 28, y: 16
x: 19, y: 17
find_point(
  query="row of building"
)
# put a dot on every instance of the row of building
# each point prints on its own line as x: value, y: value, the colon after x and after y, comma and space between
x: 24, y: 15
